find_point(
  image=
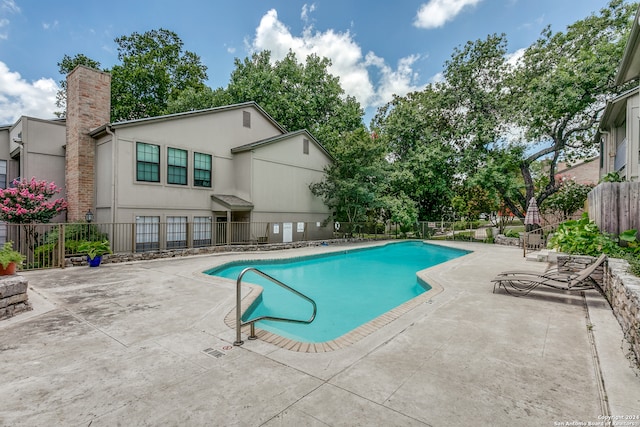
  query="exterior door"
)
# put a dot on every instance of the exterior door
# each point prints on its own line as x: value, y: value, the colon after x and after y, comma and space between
x: 287, y: 232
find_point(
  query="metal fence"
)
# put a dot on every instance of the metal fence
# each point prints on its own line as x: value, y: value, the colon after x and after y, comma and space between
x: 48, y: 245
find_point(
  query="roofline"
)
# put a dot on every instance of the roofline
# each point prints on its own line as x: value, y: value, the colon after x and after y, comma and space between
x: 630, y: 48
x: 583, y: 162
x: 611, y: 104
x: 267, y: 141
x: 198, y: 113
x: 55, y: 121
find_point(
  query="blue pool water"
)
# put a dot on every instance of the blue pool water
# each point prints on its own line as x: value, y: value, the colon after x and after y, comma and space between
x: 350, y: 288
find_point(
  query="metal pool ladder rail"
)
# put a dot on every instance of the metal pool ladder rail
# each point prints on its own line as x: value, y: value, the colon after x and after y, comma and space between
x: 240, y: 324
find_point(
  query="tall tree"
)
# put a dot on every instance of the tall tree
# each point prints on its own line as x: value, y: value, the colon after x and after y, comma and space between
x: 559, y: 88
x: 356, y: 181
x: 65, y: 67
x: 154, y: 70
x: 417, y: 132
x: 298, y: 95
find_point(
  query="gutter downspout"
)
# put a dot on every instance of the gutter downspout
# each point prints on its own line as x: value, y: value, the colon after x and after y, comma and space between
x: 605, y: 167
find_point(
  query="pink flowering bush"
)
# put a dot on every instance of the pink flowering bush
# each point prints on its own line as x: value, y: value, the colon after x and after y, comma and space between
x: 29, y: 202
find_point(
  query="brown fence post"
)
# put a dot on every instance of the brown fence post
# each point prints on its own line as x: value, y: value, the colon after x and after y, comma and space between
x: 61, y: 245
x: 133, y: 238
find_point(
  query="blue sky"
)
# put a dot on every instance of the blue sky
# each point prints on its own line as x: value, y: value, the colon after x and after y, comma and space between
x: 378, y: 48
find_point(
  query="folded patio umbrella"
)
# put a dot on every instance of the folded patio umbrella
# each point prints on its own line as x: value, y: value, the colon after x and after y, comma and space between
x: 533, y: 213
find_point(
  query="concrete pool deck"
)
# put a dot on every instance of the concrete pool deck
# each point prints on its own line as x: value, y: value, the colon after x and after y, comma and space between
x: 145, y: 343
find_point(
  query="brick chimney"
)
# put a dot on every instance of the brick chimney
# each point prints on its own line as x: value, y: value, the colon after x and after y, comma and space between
x: 88, y: 107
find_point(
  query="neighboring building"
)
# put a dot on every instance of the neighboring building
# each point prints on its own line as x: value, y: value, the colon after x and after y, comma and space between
x: 619, y: 132
x: 32, y: 147
x: 233, y: 163
x: 586, y: 172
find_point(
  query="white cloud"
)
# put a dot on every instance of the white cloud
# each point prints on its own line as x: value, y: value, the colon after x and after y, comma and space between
x: 306, y: 10
x: 514, y: 58
x: 4, y: 31
x: 437, y: 12
x: 437, y: 78
x: 19, y: 97
x: 11, y: 6
x: 6, y: 7
x: 50, y: 25
x: 348, y: 62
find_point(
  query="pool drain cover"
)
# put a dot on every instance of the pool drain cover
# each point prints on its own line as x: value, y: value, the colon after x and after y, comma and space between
x: 213, y: 352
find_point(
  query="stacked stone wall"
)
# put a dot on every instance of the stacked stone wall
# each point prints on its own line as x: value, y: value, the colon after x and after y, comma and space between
x: 622, y: 289
x: 501, y: 239
x: 144, y: 256
x: 13, y: 296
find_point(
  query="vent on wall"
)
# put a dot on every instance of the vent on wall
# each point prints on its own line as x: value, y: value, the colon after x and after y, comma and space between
x: 305, y: 146
x: 246, y: 119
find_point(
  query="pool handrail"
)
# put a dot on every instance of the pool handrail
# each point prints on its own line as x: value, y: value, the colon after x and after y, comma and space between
x: 240, y: 324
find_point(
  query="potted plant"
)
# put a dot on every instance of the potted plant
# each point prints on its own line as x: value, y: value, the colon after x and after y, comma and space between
x: 94, y: 251
x: 9, y: 259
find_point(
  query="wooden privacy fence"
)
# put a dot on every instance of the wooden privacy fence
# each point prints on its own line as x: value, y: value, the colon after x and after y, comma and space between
x: 615, y: 206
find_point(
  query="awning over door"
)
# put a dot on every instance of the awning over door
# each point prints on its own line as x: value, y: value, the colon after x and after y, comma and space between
x: 227, y: 202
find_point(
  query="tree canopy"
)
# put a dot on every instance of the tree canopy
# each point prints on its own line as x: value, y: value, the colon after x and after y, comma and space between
x: 154, y: 70
x: 494, y: 116
x: 65, y: 66
x: 477, y: 138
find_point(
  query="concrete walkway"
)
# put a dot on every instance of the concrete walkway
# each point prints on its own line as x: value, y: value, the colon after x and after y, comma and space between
x: 146, y: 344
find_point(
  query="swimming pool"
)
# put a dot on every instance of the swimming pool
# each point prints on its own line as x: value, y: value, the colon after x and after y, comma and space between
x: 350, y: 287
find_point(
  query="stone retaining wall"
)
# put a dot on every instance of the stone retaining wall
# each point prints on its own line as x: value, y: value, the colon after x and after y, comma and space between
x: 143, y: 256
x: 622, y: 290
x: 13, y: 296
x: 501, y: 239
x: 573, y: 263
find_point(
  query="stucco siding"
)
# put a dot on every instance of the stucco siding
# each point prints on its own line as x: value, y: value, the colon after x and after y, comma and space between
x: 104, y: 180
x: 43, y: 154
x: 215, y: 132
x: 4, y: 144
x: 242, y: 173
x: 282, y: 174
x: 134, y: 197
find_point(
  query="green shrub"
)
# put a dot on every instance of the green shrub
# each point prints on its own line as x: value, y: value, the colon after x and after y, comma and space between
x: 612, y: 177
x: 8, y: 255
x: 490, y: 238
x: 465, y: 225
x: 512, y: 233
x: 95, y: 248
x: 583, y: 237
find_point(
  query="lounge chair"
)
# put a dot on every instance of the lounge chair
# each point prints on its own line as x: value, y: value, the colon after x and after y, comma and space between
x: 522, y: 282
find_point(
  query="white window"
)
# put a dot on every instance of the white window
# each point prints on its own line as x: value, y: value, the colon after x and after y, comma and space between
x: 201, y: 231
x: 147, y: 233
x: 3, y: 174
x: 176, y: 232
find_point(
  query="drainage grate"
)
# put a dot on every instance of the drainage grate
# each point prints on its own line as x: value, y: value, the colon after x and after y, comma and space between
x: 213, y: 352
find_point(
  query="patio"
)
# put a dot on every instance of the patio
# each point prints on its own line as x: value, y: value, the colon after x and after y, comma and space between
x: 145, y: 343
